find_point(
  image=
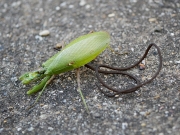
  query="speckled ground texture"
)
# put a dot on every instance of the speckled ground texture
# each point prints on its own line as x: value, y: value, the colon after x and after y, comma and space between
x: 152, y: 110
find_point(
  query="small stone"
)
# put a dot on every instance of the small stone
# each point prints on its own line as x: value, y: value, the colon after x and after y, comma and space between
x: 157, y: 96
x: 132, y: 49
x: 59, y: 45
x: 44, y: 106
x: 58, y: 112
x: 64, y: 101
x: 166, y: 63
x: 44, y: 33
x: 147, y: 113
x: 143, y: 124
x: 61, y: 91
x: 120, y: 99
x: 10, y: 108
x: 111, y: 15
x: 63, y: 4
x: 88, y: 6
x: 177, y: 62
x: 50, y: 128
x: 124, y: 125
x: 43, y: 116
x: 97, y: 115
x: 105, y: 104
x: 90, y: 26
x: 133, y: 1
x: 14, y: 79
x: 19, y: 129
x: 1, y: 129
x: 152, y: 20
x: 141, y: 66
x: 30, y: 129
x: 71, y: 6
x: 162, y: 101
x: 135, y: 114
x: 57, y: 8
x: 158, y: 29
x: 142, y: 113
x: 38, y: 37
x: 143, y: 62
x: 175, y: 24
x: 82, y: 3
x: 16, y: 4
x: 173, y: 15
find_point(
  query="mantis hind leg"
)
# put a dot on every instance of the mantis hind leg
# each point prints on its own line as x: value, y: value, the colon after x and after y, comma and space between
x: 80, y: 92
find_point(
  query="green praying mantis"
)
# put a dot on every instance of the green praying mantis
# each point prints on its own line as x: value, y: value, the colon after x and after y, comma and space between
x: 77, y: 53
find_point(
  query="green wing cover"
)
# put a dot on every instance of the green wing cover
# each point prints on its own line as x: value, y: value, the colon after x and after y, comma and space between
x: 78, y: 52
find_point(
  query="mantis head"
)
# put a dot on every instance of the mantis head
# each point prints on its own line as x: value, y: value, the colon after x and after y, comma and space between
x: 30, y: 76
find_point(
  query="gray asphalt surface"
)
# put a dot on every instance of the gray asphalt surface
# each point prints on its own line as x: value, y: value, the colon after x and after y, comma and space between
x: 133, y: 24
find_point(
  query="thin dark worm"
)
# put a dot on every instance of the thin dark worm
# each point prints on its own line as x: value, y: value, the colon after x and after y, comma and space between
x: 112, y: 72
x: 117, y: 70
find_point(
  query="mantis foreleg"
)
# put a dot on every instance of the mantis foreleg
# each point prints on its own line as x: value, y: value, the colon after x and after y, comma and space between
x: 42, y: 86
